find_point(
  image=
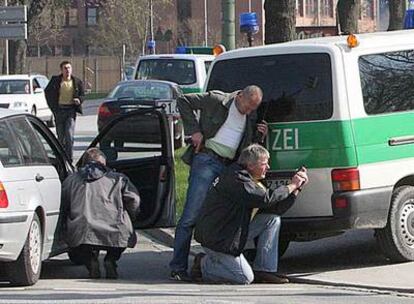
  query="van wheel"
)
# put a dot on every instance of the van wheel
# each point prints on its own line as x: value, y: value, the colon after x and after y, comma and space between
x: 283, y: 246
x: 397, y: 238
x: 26, y: 269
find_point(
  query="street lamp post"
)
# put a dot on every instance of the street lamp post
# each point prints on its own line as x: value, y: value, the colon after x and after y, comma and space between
x: 205, y: 24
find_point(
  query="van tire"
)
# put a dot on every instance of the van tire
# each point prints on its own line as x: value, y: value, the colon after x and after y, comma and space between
x: 26, y: 269
x: 396, y: 239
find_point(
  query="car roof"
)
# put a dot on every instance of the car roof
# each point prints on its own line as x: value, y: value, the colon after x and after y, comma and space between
x: 178, y: 56
x: 7, y: 113
x: 170, y: 83
x: 20, y: 76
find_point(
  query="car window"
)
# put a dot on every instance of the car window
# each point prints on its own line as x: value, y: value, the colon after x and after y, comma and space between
x: 35, y: 84
x: 132, y: 138
x: 32, y: 149
x: 387, y: 82
x: 53, y: 154
x: 14, y: 86
x: 43, y: 81
x: 296, y: 87
x: 8, y: 150
x: 143, y: 90
x: 179, y: 71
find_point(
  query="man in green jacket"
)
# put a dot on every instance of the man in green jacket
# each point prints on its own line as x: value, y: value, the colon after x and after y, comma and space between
x: 224, y: 125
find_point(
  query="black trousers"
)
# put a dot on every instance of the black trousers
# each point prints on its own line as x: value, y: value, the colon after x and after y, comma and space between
x: 86, y: 252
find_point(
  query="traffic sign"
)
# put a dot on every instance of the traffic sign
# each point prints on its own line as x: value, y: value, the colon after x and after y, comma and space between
x: 13, y: 13
x: 16, y: 31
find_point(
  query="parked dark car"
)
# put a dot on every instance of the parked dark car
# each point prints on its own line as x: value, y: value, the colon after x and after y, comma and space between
x: 33, y: 166
x: 142, y: 94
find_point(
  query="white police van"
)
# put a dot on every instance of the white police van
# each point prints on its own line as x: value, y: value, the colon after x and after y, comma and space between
x: 344, y: 108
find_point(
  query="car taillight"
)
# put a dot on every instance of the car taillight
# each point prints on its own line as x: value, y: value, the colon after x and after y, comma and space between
x: 4, y: 201
x: 345, y: 179
x: 104, y: 111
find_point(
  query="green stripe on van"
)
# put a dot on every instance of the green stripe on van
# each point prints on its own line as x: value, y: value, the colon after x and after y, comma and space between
x: 372, y: 136
x: 191, y: 90
x: 313, y: 144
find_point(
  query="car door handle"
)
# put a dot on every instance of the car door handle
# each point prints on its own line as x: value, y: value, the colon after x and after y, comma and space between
x: 39, y: 178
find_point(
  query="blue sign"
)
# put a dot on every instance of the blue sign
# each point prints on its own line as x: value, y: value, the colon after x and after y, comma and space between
x: 151, y: 44
x: 248, y: 23
x: 409, y: 16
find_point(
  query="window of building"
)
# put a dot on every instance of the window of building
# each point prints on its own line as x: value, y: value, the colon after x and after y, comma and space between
x: 327, y: 8
x: 91, y: 16
x: 72, y: 17
x: 311, y: 8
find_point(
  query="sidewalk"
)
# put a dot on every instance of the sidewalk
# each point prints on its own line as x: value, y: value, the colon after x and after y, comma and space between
x: 390, y: 277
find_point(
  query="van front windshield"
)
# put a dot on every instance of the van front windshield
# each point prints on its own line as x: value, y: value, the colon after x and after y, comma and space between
x: 179, y: 71
x: 296, y: 87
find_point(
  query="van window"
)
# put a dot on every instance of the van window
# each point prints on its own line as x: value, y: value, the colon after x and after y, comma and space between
x: 179, y: 71
x: 387, y: 82
x: 296, y: 87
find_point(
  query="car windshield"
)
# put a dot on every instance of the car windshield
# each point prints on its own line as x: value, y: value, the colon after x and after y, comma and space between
x: 14, y: 86
x: 144, y: 90
x: 179, y: 71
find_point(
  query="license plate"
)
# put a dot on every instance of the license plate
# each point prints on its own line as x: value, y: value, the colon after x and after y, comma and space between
x: 170, y: 107
x: 280, y: 178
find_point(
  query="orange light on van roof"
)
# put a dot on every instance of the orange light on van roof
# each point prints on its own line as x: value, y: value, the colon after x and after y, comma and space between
x: 352, y: 41
x: 218, y: 49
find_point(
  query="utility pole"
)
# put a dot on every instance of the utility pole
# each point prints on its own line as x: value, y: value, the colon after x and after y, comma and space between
x: 229, y: 31
x: 205, y: 24
x: 6, y: 51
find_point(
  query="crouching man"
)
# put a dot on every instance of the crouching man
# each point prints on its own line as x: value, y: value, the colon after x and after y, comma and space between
x: 229, y: 220
x: 99, y: 206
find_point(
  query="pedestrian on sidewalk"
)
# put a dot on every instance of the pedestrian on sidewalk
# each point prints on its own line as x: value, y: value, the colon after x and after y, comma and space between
x: 234, y: 215
x: 227, y: 123
x: 65, y: 94
x: 99, y: 206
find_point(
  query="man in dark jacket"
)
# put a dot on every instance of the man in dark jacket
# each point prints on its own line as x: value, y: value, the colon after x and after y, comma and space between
x: 99, y: 206
x: 229, y: 220
x: 227, y: 123
x: 64, y: 95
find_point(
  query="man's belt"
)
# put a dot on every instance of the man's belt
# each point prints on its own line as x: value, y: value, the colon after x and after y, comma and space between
x: 226, y: 161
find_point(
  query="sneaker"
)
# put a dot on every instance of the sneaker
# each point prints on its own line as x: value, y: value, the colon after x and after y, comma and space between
x: 269, y: 277
x: 180, y: 276
x: 110, y: 269
x: 93, y: 268
x: 196, y: 274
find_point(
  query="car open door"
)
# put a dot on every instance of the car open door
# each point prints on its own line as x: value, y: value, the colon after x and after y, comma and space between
x: 139, y: 145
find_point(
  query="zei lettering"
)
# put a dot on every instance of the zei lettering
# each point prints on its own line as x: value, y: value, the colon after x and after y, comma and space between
x: 285, y: 139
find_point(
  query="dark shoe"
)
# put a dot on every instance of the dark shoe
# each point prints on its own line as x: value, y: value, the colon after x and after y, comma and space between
x: 196, y: 274
x: 180, y: 276
x: 110, y: 269
x: 93, y: 268
x: 269, y: 277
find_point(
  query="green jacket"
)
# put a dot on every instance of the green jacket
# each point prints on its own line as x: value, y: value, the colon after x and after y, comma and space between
x: 213, y: 108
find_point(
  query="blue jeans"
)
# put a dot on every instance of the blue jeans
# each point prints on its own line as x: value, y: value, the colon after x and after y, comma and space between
x: 204, y: 169
x: 225, y: 268
x: 65, y: 128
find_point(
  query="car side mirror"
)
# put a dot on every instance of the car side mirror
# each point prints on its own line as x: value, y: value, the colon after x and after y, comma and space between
x: 38, y: 90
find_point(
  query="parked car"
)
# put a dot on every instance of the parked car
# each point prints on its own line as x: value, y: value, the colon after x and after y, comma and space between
x: 136, y: 94
x: 33, y: 166
x: 26, y: 93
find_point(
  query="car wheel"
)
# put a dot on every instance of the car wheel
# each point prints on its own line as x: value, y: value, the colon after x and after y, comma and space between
x: 75, y: 258
x: 283, y: 246
x: 397, y: 238
x: 26, y: 269
x: 51, y: 122
x: 33, y: 111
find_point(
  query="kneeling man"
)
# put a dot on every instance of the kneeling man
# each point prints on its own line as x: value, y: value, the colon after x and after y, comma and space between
x: 230, y: 219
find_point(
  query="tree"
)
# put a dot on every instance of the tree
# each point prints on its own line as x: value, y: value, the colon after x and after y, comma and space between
x: 280, y: 24
x: 348, y: 13
x: 123, y: 22
x: 397, y: 11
